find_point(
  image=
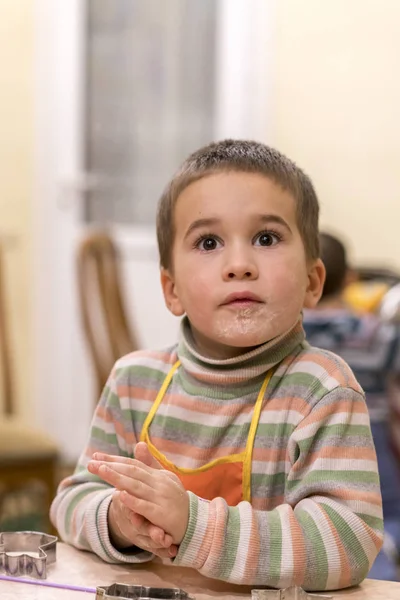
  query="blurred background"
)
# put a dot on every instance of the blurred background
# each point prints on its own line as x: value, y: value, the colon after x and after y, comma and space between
x: 102, y: 99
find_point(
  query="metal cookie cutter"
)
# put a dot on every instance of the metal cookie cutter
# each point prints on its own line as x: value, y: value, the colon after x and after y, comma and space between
x: 294, y: 592
x: 26, y: 553
x: 134, y: 592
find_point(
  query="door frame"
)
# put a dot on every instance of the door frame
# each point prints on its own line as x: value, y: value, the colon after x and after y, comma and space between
x: 62, y: 384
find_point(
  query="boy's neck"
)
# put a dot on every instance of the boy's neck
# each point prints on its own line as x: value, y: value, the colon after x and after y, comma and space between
x: 243, y: 369
x: 214, y: 351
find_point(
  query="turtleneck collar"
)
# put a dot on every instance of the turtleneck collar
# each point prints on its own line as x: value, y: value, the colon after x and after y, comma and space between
x: 238, y: 370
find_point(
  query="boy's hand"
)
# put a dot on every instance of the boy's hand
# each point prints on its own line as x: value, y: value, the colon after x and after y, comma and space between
x: 152, y: 492
x: 129, y: 529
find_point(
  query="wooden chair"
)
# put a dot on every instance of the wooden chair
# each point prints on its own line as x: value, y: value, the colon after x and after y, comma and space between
x: 107, y: 329
x: 28, y: 457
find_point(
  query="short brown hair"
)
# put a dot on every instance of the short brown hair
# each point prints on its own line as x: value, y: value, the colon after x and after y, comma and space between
x: 249, y: 157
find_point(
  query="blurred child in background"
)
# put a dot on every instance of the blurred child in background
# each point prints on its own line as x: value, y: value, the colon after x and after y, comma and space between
x: 372, y: 349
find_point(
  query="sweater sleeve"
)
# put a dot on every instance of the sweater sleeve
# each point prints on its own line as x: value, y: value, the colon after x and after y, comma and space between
x: 80, y: 509
x: 327, y: 532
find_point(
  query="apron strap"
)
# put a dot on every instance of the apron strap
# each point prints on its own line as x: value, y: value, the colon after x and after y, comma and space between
x: 251, y: 437
x: 158, y: 401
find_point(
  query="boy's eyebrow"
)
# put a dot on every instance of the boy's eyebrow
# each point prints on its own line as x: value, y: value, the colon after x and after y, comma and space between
x: 200, y: 223
x: 274, y: 219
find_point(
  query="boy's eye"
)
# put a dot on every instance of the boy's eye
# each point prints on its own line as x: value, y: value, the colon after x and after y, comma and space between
x: 208, y: 243
x: 267, y: 238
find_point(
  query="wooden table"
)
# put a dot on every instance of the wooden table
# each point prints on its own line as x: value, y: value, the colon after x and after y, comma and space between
x: 87, y: 570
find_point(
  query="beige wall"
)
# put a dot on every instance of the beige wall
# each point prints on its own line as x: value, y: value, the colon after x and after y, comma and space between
x: 336, y: 92
x: 16, y: 173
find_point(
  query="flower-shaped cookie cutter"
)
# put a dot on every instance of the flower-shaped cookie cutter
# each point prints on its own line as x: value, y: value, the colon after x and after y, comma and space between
x: 294, y: 592
x: 139, y: 592
x: 26, y: 553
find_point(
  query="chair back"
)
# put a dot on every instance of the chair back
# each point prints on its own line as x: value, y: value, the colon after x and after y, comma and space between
x: 107, y: 329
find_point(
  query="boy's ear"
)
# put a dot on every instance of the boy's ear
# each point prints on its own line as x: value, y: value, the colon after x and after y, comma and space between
x: 316, y: 280
x: 171, y: 298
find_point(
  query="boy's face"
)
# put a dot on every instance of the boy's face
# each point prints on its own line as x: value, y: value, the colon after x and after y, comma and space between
x: 239, y: 267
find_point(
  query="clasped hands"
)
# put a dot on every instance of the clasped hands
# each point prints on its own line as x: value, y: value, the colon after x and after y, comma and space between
x: 149, y: 508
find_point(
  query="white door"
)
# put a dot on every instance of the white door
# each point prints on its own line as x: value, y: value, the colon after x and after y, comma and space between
x: 108, y: 138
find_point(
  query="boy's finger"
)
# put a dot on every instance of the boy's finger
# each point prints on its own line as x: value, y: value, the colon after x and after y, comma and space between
x: 159, y: 536
x: 144, y: 527
x: 128, y: 471
x: 144, y: 506
x: 172, y: 551
x: 169, y: 552
x: 143, y: 454
x: 133, y: 486
x: 130, y: 467
x: 161, y: 552
x: 100, y: 456
x: 93, y: 467
x: 136, y: 520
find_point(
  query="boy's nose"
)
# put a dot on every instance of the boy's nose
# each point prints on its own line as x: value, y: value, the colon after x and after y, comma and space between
x: 240, y: 269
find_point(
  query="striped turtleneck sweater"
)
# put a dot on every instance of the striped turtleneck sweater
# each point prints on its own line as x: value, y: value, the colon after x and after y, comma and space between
x: 315, y: 517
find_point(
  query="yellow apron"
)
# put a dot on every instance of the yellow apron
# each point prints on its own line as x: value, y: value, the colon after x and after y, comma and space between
x: 228, y: 477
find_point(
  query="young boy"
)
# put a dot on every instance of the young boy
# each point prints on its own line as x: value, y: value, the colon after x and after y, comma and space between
x: 372, y: 349
x: 240, y: 451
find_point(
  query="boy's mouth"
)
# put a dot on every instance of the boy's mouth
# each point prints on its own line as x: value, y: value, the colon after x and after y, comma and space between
x: 242, y: 299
